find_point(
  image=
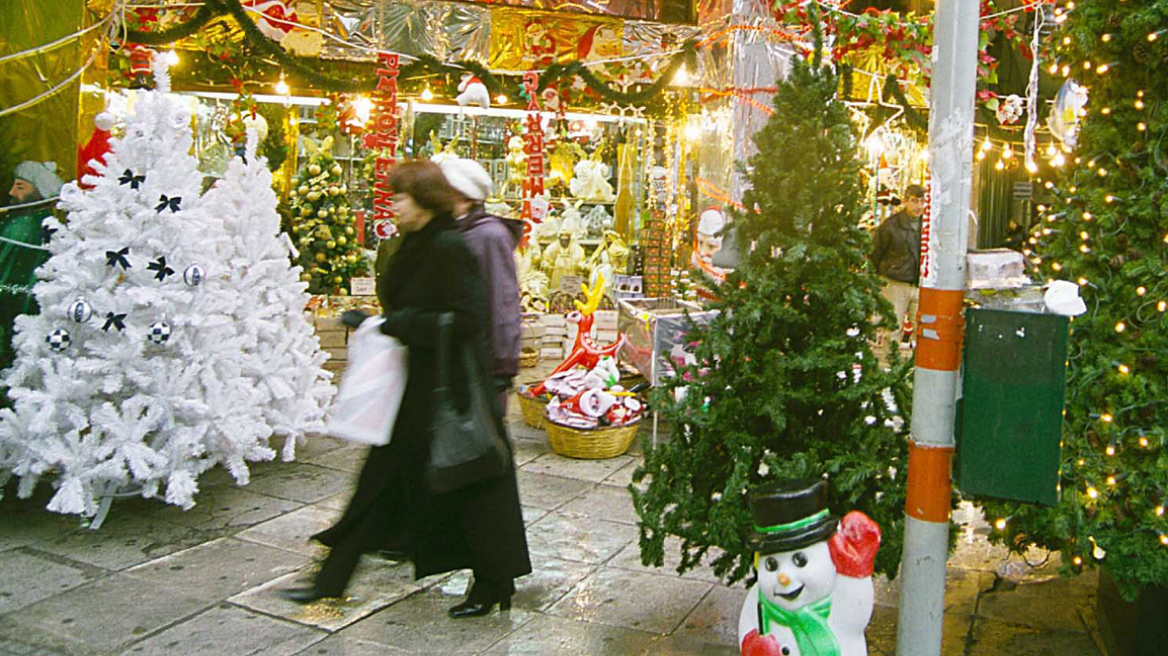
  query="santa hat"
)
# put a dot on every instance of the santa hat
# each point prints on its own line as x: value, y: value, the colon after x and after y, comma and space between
x: 468, y: 177
x: 711, y: 222
x: 584, y: 47
x: 42, y: 175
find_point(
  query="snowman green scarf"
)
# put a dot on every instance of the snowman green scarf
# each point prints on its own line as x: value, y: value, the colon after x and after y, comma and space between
x: 809, y: 624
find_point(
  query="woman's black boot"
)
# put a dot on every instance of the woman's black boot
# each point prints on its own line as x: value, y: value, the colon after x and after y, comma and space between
x: 303, y: 595
x: 484, y: 594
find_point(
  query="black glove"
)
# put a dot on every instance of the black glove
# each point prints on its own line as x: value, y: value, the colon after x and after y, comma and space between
x: 353, y: 318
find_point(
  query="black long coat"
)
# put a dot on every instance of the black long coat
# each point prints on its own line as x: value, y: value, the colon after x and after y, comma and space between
x: 480, y: 526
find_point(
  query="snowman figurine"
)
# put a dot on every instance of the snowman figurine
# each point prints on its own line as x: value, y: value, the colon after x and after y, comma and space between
x: 814, y: 593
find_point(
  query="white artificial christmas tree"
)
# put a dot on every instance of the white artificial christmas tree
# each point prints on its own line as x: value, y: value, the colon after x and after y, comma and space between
x: 135, y: 372
x: 283, y: 357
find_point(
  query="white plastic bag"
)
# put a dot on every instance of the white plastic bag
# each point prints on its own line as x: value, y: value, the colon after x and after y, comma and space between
x: 371, y: 391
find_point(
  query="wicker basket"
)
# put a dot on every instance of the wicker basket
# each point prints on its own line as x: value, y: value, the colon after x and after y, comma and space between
x: 592, y: 444
x: 528, y: 357
x: 532, y: 409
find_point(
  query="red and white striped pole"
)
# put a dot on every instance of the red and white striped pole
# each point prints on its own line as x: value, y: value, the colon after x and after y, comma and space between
x: 940, y: 329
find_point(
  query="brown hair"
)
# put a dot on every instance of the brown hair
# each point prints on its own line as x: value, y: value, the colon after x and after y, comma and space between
x: 424, y: 182
x: 915, y: 191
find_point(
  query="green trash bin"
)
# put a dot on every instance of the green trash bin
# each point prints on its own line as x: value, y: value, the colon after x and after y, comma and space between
x: 1011, y: 412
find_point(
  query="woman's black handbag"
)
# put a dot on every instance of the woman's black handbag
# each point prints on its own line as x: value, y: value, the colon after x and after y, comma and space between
x: 466, y: 446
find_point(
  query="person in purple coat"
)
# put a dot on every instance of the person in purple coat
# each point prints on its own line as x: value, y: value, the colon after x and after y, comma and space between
x: 492, y: 240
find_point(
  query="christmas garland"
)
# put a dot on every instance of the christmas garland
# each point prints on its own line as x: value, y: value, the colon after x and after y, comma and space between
x: 307, y: 68
x: 208, y: 12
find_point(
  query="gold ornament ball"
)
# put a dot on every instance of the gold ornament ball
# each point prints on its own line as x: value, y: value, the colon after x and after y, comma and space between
x: 350, y: 231
x: 320, y: 257
x: 306, y: 277
x: 304, y: 241
x: 351, y: 258
x: 314, y: 169
x: 322, y: 213
x: 341, y: 241
x: 344, y: 189
x: 313, y: 196
x: 331, y: 244
x: 341, y: 291
x: 338, y: 280
x: 336, y: 170
x: 305, y: 211
x: 302, y: 190
x: 332, y: 210
x: 333, y: 191
x: 295, y: 229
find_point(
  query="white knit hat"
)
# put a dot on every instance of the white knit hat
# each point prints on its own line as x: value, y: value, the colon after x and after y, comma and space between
x: 468, y: 177
x: 42, y: 175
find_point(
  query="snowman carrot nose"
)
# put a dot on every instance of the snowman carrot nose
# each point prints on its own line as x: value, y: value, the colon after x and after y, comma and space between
x: 784, y: 580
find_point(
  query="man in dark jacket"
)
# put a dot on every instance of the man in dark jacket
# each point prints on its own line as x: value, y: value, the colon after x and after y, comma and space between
x: 493, y: 241
x: 896, y: 253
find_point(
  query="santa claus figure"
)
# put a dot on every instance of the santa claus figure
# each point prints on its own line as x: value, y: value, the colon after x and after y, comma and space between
x: 541, y: 46
x: 472, y: 91
x: 814, y: 595
x: 707, y: 243
x: 599, y: 43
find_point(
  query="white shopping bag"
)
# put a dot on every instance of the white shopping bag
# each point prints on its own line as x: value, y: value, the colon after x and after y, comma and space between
x: 371, y: 390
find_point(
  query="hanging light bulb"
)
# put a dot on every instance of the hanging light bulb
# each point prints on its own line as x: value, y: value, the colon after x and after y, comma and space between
x: 500, y: 99
x: 681, y: 77
x: 427, y: 95
x: 1000, y: 165
x: 1124, y: 369
x: 1000, y: 524
x: 1106, y: 38
x: 171, y: 57
x: 1141, y: 290
x: 1092, y: 492
x: 282, y: 86
x: 1102, y: 68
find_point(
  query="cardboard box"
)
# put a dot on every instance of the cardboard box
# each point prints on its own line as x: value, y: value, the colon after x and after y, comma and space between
x: 606, y: 336
x: 554, y: 320
x: 605, y: 319
x: 332, y: 338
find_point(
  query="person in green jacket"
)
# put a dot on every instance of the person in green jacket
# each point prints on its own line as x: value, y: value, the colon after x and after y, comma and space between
x: 22, y: 249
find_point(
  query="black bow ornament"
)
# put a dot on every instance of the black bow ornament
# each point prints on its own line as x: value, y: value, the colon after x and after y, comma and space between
x: 116, y: 258
x: 172, y: 203
x: 129, y: 178
x: 159, y: 266
x: 114, y: 320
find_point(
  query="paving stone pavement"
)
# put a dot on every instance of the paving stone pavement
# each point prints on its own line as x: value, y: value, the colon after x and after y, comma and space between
x: 157, y: 581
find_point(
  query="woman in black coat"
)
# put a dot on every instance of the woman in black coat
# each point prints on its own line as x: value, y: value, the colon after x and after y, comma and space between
x: 479, y: 526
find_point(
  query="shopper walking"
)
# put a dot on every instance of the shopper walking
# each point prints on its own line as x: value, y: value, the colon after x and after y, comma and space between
x: 479, y: 526
x: 493, y: 241
x: 896, y: 253
x: 22, y: 248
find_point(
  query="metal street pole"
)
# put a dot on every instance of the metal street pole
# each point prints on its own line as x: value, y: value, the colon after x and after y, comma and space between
x: 940, y: 328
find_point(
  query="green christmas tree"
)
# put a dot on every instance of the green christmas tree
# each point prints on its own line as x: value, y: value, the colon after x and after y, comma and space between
x: 322, y: 225
x: 1107, y: 229
x: 775, y: 391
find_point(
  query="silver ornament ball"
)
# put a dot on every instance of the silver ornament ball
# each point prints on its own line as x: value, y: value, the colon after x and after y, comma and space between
x: 80, y: 311
x: 194, y: 275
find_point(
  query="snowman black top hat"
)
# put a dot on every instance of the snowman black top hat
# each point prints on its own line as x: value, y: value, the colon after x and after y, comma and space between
x: 790, y: 515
